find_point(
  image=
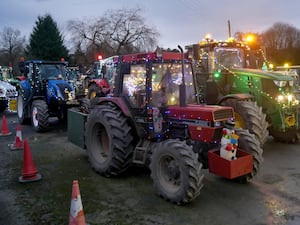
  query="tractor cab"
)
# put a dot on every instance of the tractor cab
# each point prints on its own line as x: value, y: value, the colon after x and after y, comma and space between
x: 102, y: 81
x: 45, y: 70
x: 156, y: 83
x: 155, y: 88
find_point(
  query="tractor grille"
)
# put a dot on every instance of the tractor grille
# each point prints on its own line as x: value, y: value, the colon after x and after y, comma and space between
x: 11, y: 93
x: 223, y: 114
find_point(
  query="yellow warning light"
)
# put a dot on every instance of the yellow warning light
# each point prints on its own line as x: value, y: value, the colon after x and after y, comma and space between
x: 207, y: 37
x: 250, y: 38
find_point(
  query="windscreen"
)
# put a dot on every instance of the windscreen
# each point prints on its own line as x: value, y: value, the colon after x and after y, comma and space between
x: 52, y: 71
x: 229, y: 57
x: 166, y: 79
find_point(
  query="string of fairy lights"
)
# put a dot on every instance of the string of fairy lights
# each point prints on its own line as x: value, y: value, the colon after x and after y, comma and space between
x: 292, y: 102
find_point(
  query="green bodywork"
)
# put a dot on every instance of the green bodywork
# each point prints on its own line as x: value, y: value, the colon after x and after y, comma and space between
x: 6, y: 74
x: 281, y: 114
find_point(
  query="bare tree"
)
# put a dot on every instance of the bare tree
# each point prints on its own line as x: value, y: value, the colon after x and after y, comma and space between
x: 127, y: 29
x: 11, y: 45
x: 116, y: 32
x: 282, y: 42
x: 281, y: 36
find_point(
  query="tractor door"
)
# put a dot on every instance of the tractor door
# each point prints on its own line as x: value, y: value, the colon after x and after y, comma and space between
x: 30, y: 79
x: 134, y: 87
x: 136, y: 95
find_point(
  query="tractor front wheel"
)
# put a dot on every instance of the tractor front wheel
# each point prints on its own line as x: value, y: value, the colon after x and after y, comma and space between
x: 176, y: 171
x: 21, y: 110
x: 108, y: 140
x: 250, y: 144
x: 39, y: 115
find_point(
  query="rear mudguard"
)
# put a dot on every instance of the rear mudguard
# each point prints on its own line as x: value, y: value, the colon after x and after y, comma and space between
x: 242, y: 96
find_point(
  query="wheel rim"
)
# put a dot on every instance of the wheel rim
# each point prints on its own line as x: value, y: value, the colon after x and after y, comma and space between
x: 34, y: 117
x: 169, y: 173
x: 238, y: 121
x: 101, y: 142
x: 20, y: 106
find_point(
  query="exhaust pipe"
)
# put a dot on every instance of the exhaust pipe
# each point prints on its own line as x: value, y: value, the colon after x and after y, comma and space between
x: 182, y: 88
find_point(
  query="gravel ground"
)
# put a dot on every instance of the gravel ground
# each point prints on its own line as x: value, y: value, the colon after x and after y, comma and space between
x: 272, y: 198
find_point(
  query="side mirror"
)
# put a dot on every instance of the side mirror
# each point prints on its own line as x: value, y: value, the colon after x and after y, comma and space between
x: 26, y: 70
x: 103, y: 70
x: 22, y: 67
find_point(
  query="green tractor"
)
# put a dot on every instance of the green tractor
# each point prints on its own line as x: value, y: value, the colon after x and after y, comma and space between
x: 230, y: 73
x: 6, y: 74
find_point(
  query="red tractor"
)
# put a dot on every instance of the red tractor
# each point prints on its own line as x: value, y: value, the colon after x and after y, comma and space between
x: 153, y: 117
x: 98, y: 85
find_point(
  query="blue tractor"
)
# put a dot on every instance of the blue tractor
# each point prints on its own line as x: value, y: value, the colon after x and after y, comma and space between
x: 45, y: 92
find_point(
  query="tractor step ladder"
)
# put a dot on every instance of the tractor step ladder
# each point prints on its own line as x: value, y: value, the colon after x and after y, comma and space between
x: 140, y: 152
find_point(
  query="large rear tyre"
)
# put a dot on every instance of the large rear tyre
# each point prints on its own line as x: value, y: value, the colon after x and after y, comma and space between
x: 176, y: 171
x: 108, y: 141
x: 248, y: 115
x: 39, y: 115
x: 250, y: 144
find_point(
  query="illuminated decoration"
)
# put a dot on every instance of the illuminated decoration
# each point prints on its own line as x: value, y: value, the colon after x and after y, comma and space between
x: 231, y: 39
x: 157, y: 120
x: 264, y: 67
x: 208, y: 38
x: 217, y: 74
x: 229, y: 143
x: 99, y: 57
x: 292, y: 102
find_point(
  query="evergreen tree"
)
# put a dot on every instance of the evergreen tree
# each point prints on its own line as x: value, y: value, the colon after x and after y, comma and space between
x: 46, y: 42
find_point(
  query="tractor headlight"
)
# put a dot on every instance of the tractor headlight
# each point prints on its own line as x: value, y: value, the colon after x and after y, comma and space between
x: 280, y: 98
x: 288, y: 99
x: 71, y: 95
x: 280, y: 83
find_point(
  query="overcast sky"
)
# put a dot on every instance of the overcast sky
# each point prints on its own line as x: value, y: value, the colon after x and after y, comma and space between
x: 178, y: 21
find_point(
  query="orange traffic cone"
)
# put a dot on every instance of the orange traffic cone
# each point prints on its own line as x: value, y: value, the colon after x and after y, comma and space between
x: 29, y: 173
x: 18, y: 145
x: 76, y: 209
x: 5, y: 131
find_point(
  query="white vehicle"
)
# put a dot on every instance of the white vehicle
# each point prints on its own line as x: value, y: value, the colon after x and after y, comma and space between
x: 8, y: 97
